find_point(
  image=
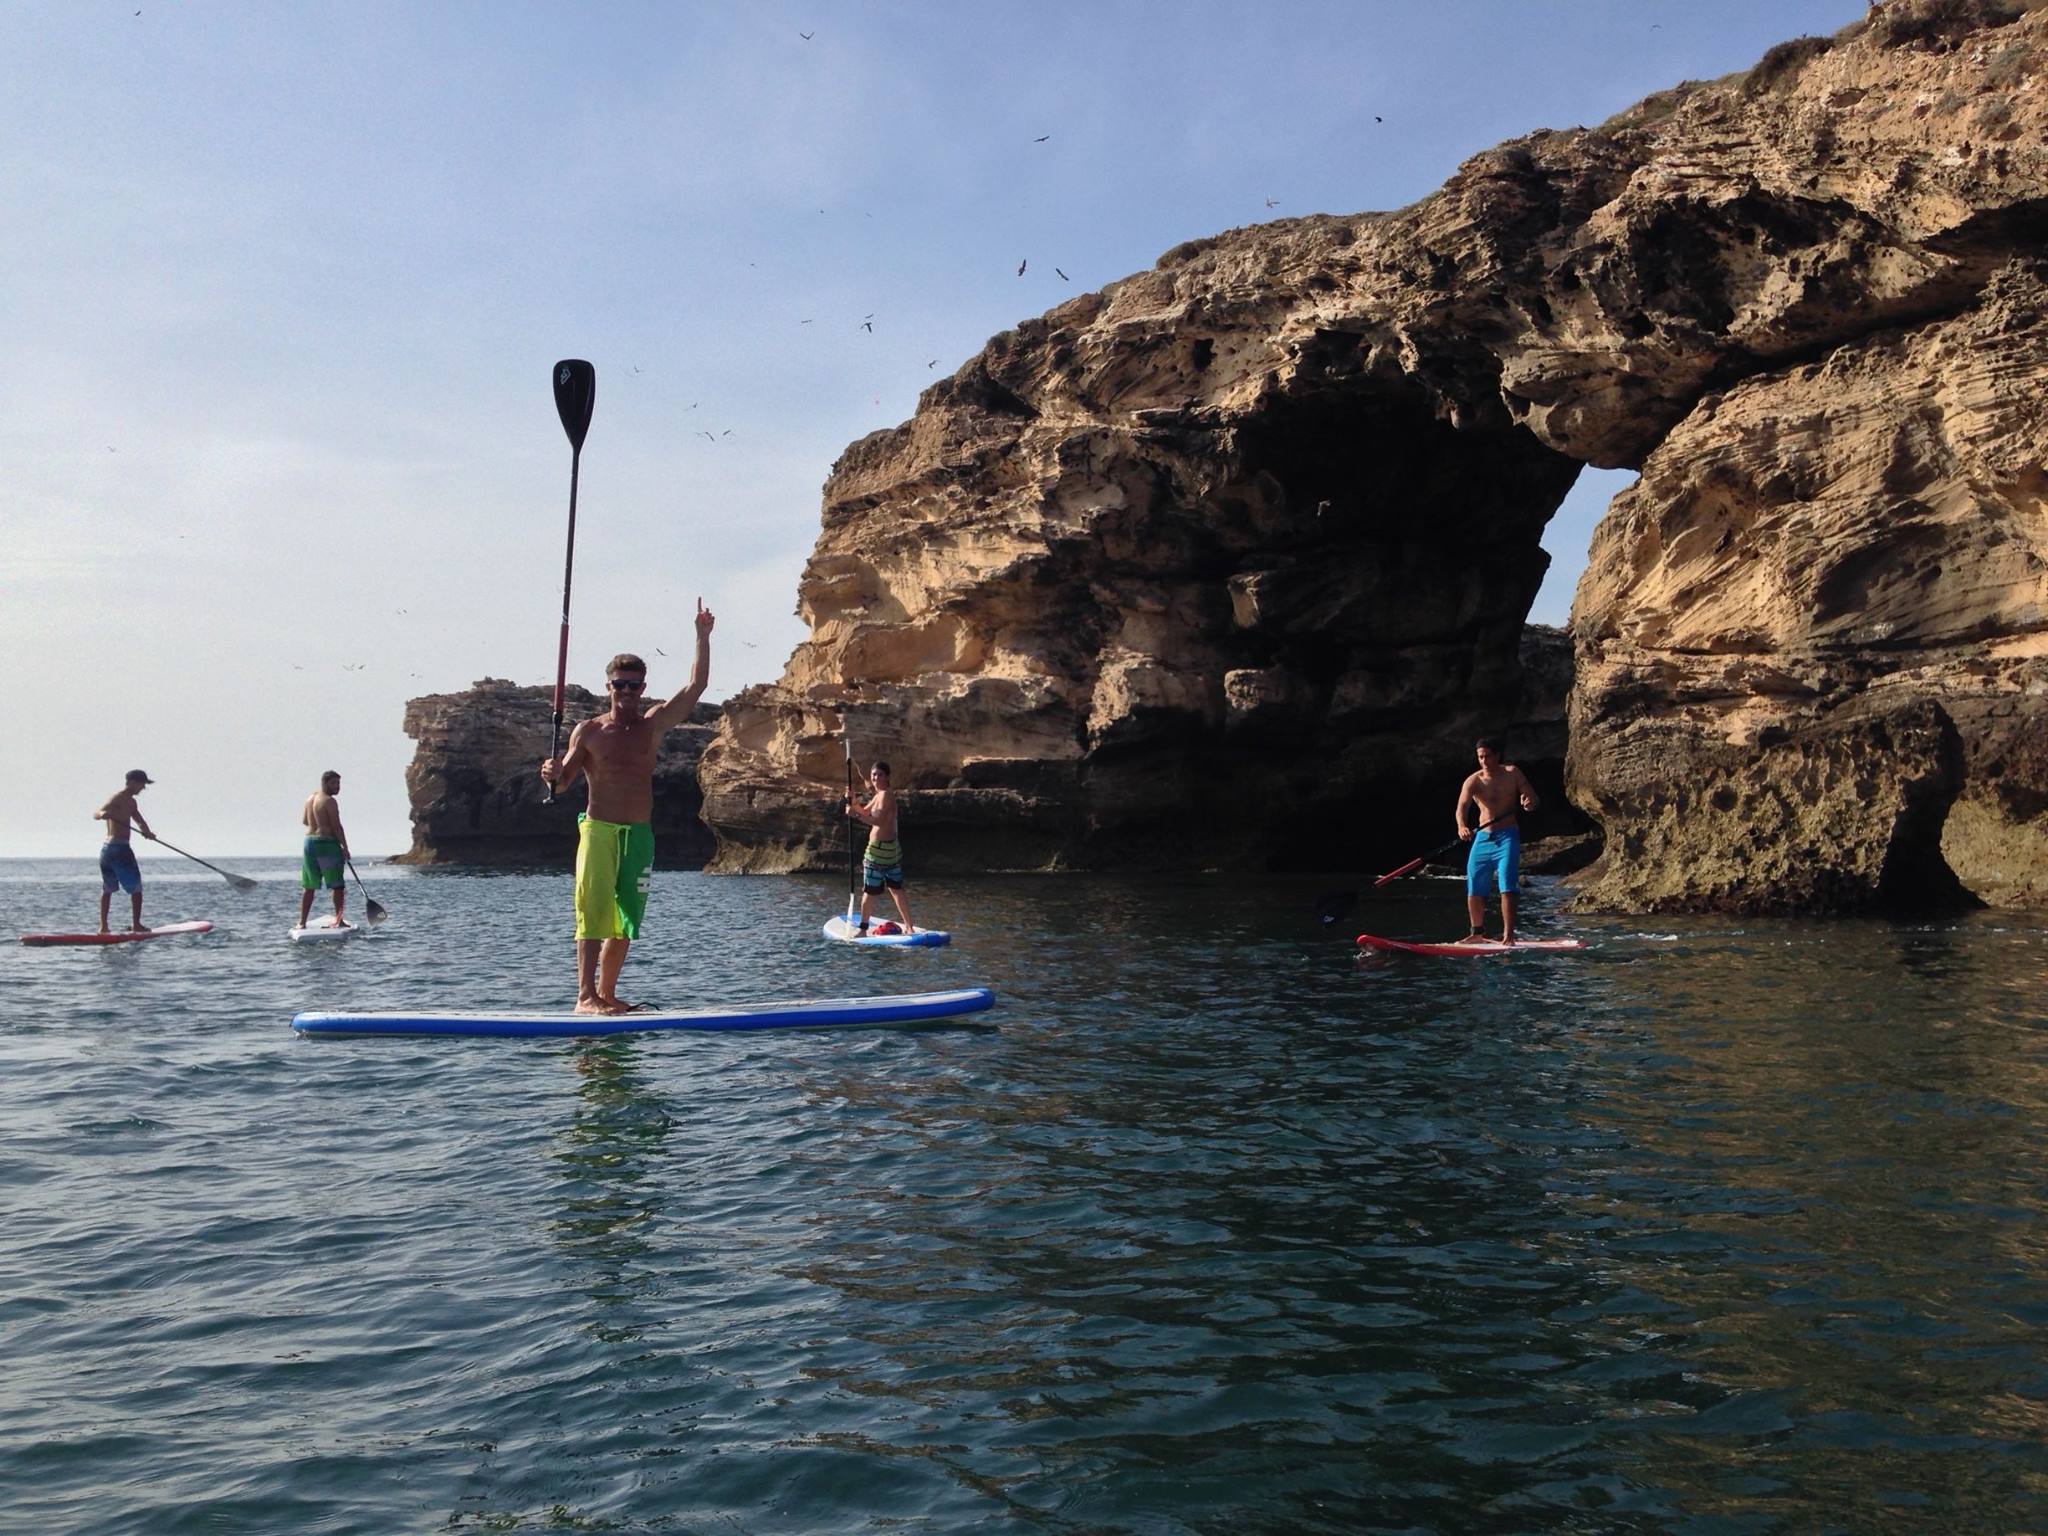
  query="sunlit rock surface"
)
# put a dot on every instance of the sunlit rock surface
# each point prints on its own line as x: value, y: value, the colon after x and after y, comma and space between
x: 475, y: 782
x: 1226, y: 565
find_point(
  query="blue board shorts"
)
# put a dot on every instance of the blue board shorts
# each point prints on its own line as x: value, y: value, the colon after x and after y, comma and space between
x: 118, y: 869
x: 1495, y: 863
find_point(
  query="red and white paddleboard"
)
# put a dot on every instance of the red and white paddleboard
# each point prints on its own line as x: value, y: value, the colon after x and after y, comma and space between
x: 1471, y: 946
x: 168, y: 931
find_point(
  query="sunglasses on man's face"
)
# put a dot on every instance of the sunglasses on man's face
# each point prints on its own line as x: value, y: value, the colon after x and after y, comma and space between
x: 628, y: 684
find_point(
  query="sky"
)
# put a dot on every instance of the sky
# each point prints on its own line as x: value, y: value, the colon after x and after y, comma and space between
x: 281, y: 287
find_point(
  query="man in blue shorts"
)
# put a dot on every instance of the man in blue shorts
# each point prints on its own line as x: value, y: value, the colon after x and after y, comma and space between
x: 118, y: 869
x: 1496, y: 791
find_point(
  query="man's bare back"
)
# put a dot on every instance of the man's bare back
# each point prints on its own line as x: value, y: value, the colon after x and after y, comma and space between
x: 322, y: 815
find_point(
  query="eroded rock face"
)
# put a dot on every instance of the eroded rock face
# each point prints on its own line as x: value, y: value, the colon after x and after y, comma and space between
x: 1227, y: 564
x: 476, y: 790
x: 1817, y: 552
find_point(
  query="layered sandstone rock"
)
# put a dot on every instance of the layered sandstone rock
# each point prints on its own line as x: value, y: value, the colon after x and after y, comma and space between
x: 1226, y: 564
x: 476, y: 790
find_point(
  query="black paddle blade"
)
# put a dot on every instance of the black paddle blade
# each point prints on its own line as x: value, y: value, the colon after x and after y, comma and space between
x: 575, y: 398
x: 1333, y: 905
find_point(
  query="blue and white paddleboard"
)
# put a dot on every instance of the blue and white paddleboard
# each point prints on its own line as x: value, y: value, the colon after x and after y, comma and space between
x: 841, y: 931
x: 910, y: 1008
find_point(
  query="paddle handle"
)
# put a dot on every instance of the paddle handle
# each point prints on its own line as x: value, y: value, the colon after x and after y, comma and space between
x: 562, y: 645
x: 852, y: 859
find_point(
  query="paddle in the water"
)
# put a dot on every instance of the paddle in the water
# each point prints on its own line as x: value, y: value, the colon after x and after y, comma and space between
x: 575, y: 398
x: 375, y: 911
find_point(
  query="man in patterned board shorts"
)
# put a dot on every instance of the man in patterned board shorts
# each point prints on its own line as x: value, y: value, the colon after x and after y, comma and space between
x: 615, y: 753
x: 882, y: 865
x: 325, y: 855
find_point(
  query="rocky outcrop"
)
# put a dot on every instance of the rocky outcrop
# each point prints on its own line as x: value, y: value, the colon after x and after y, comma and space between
x: 1814, y: 636
x: 1226, y: 564
x: 475, y: 782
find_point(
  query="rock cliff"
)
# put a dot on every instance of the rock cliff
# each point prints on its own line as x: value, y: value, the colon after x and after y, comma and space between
x: 475, y: 783
x: 1226, y: 564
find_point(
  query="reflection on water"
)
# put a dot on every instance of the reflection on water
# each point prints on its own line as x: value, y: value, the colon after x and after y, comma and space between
x: 1219, y: 1228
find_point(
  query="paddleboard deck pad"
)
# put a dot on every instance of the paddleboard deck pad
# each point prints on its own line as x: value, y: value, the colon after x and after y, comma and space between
x: 168, y: 931
x: 326, y: 928
x: 836, y: 1012
x: 840, y: 930
x: 1471, y: 947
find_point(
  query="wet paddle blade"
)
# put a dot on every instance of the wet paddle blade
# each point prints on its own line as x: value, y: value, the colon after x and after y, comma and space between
x: 239, y: 882
x: 575, y: 398
x: 374, y: 911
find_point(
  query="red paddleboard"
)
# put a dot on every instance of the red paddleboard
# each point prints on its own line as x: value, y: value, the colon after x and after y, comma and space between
x: 1471, y: 946
x: 168, y: 931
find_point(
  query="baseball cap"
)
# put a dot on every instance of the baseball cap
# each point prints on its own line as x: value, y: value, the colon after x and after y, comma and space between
x: 137, y: 773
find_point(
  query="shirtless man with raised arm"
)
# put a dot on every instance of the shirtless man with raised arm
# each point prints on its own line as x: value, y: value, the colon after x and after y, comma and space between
x: 326, y: 850
x: 615, y: 837
x: 117, y: 854
x: 1497, y: 790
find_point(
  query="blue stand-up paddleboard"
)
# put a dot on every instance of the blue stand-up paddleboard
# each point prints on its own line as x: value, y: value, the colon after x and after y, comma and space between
x: 833, y: 1012
x: 845, y: 932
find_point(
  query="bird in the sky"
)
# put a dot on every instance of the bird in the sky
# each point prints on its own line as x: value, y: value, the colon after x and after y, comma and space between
x: 1039, y: 140
x: 1063, y: 276
x: 806, y: 36
x: 933, y: 363
x: 868, y: 326
x: 707, y: 436
x: 1377, y: 118
x: 807, y: 322
x: 1272, y: 202
x: 1022, y: 265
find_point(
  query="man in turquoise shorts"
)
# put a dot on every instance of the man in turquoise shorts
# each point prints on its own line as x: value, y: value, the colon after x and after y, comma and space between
x: 326, y: 852
x: 615, y: 753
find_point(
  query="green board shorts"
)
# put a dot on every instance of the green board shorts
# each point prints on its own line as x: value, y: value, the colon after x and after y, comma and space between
x: 320, y: 864
x: 614, y: 864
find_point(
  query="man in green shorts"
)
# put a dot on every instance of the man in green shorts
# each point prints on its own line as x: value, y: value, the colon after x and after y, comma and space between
x: 615, y: 839
x: 326, y: 850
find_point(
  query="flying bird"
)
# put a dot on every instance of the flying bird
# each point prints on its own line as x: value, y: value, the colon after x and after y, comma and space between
x: 1022, y: 265
x: 868, y: 326
x: 1377, y: 118
x: 806, y: 36
x: 707, y: 436
x: 1063, y: 276
x: 659, y: 651
x: 1039, y: 140
x: 933, y: 363
x: 1272, y: 202
x: 807, y: 322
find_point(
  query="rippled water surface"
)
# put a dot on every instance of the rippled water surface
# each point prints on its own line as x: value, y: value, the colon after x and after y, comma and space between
x: 1212, y: 1226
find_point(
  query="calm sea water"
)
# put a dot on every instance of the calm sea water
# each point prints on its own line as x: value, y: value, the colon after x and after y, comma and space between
x: 1213, y: 1226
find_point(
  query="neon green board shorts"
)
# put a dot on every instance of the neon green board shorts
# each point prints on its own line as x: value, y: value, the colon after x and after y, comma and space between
x: 320, y: 864
x: 614, y: 863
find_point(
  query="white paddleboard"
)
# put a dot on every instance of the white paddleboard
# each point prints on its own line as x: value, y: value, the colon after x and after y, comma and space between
x: 843, y: 932
x: 323, y: 928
